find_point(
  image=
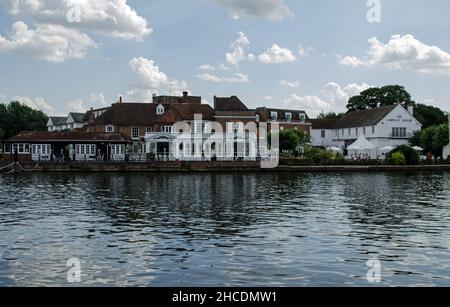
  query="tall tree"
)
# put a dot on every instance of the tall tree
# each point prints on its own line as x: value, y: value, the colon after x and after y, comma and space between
x: 375, y: 97
x: 429, y: 115
x: 16, y: 117
x: 330, y: 115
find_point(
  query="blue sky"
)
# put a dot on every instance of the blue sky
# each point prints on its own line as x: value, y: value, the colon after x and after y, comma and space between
x: 309, y: 55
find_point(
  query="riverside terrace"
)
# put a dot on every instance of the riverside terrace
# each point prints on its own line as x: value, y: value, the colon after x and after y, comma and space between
x: 145, y: 131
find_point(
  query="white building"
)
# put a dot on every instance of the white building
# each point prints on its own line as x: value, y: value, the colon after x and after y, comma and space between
x: 72, y: 121
x: 385, y: 126
x: 323, y: 132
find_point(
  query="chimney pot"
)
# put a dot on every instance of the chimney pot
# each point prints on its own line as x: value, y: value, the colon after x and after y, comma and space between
x: 120, y: 99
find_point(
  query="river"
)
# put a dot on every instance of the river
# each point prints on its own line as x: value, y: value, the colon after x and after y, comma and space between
x: 251, y: 229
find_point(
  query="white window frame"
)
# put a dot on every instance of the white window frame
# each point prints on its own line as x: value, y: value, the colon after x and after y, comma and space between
x: 133, y: 133
x: 289, y: 117
x: 109, y: 129
x: 166, y: 129
x: 274, y: 115
x: 160, y: 110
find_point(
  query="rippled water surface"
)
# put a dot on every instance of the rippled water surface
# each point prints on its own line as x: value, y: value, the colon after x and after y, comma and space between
x: 287, y: 229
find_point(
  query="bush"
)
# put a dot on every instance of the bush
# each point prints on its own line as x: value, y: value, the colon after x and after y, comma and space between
x: 398, y: 158
x: 319, y: 156
x: 412, y: 157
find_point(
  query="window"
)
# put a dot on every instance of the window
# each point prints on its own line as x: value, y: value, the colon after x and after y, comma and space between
x: 8, y: 148
x: 398, y: 132
x: 274, y: 115
x: 302, y: 118
x: 166, y: 129
x: 85, y: 149
x: 135, y: 133
x: 373, y: 129
x: 288, y: 117
x: 160, y: 110
x: 364, y: 131
x: 117, y: 149
x: 149, y: 130
x: 21, y: 148
x: 349, y: 132
x: 323, y: 134
x: 109, y: 129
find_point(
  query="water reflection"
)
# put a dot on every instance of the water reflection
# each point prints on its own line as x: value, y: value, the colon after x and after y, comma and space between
x: 225, y: 229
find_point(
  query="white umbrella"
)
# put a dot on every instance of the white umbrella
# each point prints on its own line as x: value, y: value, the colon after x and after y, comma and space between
x: 387, y: 149
x: 334, y: 149
x: 417, y: 148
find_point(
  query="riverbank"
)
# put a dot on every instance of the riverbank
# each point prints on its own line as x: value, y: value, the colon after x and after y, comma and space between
x: 211, y: 167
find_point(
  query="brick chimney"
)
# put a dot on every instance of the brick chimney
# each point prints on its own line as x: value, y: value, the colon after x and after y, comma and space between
x: 120, y: 99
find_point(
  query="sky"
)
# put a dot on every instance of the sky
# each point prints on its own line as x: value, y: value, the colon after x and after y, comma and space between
x: 63, y: 56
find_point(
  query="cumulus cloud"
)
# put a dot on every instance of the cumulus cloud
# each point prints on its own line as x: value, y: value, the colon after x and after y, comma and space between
x: 239, y: 47
x: 271, y: 9
x: 277, y: 55
x: 151, y: 79
x: 98, y: 98
x: 3, y: 98
x: 109, y: 17
x: 313, y: 105
x: 289, y: 84
x: 207, y: 67
x: 51, y: 43
x: 403, y: 52
x: 38, y: 103
x: 268, y: 98
x: 305, y: 51
x: 77, y: 106
x: 236, y: 78
x: 340, y: 95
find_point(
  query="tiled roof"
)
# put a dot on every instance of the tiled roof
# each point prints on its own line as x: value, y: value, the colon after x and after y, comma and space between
x: 58, y: 120
x: 144, y: 114
x: 44, y: 136
x: 324, y: 123
x: 232, y: 103
x: 78, y: 117
x: 364, y: 118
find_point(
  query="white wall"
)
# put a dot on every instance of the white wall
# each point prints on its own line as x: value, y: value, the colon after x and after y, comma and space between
x: 317, y: 140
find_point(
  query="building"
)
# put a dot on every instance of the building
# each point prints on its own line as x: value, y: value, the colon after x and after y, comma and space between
x: 71, y: 122
x: 391, y: 126
x: 286, y: 119
x: 323, y: 132
x: 67, y: 146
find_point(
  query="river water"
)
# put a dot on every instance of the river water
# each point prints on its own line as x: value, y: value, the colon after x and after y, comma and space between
x: 255, y: 229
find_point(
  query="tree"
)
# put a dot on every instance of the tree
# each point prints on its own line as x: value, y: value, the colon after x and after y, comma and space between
x: 16, y: 117
x: 330, y: 115
x: 375, y: 97
x: 291, y: 139
x: 2, y: 134
x: 429, y: 115
x: 432, y: 139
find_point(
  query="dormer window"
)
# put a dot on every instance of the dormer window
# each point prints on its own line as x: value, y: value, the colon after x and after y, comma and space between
x: 109, y: 129
x: 274, y: 115
x: 160, y: 110
x: 288, y: 117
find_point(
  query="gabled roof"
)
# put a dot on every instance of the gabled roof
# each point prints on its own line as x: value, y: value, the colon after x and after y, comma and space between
x: 328, y: 124
x: 365, y: 118
x: 78, y: 117
x: 232, y: 103
x: 144, y: 114
x: 44, y: 136
x: 56, y: 120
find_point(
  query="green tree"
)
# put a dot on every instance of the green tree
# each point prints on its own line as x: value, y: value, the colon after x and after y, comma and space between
x: 291, y: 139
x: 432, y: 139
x: 375, y: 97
x: 330, y: 115
x: 2, y: 134
x: 429, y: 115
x: 398, y: 158
x: 16, y: 117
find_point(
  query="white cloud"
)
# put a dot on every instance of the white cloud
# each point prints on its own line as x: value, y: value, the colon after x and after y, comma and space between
x: 277, y: 55
x: 207, y: 67
x: 98, y: 98
x: 109, y: 17
x: 290, y: 84
x: 313, y: 105
x: 77, y: 106
x: 268, y: 98
x: 339, y: 95
x: 272, y: 9
x: 151, y: 78
x: 3, y: 98
x: 236, y: 78
x: 139, y: 95
x: 239, y: 47
x: 51, y: 43
x: 403, y: 52
x: 251, y: 57
x: 38, y: 104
